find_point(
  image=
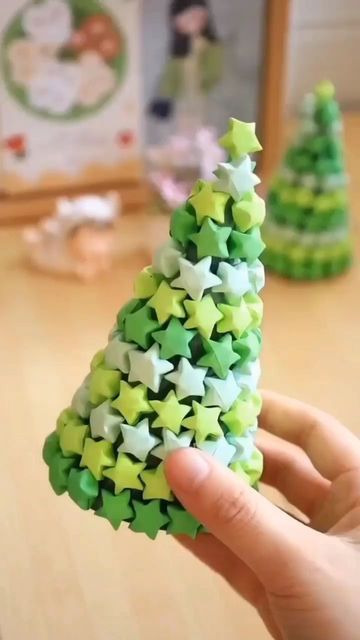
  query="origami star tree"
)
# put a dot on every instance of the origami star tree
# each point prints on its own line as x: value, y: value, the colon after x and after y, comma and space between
x: 307, y: 227
x: 181, y: 365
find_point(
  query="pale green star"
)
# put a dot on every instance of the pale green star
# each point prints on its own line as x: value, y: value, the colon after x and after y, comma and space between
x: 105, y: 422
x: 166, y: 259
x: 221, y: 393
x: 195, y: 278
x: 116, y: 353
x: 236, y: 178
x: 172, y: 442
x: 148, y: 368
x: 138, y: 440
x: 188, y: 380
x: 219, y: 449
x: 234, y: 280
x: 81, y: 399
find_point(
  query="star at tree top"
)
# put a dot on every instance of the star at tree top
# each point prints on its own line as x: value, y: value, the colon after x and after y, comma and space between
x: 240, y: 139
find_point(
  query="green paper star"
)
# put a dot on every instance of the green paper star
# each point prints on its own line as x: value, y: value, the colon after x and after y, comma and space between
x: 182, y: 522
x: 83, y: 488
x: 249, y: 211
x: 51, y: 447
x: 174, y: 340
x: 211, y: 240
x: 116, y: 509
x: 170, y: 412
x: 148, y: 518
x: 129, y: 307
x: 240, y: 139
x: 96, y: 456
x: 204, y: 422
x: 125, y: 474
x: 104, y: 384
x: 203, y: 315
x: 209, y: 204
x: 97, y: 360
x: 219, y: 356
x: 243, y: 413
x: 66, y: 416
x: 59, y: 470
x: 256, y: 309
x: 247, y: 246
x: 156, y: 484
x: 182, y: 225
x: 248, y: 347
x: 254, y: 467
x: 146, y: 283
x: 236, y: 319
x: 132, y: 402
x: 167, y: 302
x: 139, y: 327
x: 72, y: 439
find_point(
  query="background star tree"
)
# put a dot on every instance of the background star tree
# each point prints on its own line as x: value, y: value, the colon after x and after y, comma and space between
x: 181, y: 365
x: 307, y: 228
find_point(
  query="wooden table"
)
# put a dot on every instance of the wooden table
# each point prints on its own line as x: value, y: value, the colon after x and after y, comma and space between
x: 66, y: 574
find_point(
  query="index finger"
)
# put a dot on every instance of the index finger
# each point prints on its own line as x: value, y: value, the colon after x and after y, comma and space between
x: 331, y: 447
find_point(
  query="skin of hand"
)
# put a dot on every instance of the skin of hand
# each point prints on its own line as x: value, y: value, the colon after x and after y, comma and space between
x: 303, y: 578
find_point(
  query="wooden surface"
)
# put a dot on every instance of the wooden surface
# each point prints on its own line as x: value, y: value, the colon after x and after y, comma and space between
x: 63, y: 572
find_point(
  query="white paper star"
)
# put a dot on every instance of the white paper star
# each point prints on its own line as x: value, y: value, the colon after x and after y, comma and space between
x: 117, y: 354
x: 172, y: 442
x: 189, y: 381
x: 237, y: 177
x: 234, y: 279
x: 257, y: 275
x: 219, y: 449
x: 105, y: 422
x: 244, y: 446
x: 166, y: 259
x: 247, y: 376
x: 195, y: 278
x: 138, y: 440
x: 147, y: 367
x: 80, y: 402
x: 221, y: 393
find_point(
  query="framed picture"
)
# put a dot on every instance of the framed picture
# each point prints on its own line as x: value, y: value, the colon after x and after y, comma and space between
x: 213, y: 59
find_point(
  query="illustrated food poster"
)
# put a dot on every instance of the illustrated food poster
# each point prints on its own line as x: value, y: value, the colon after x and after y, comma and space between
x: 69, y: 93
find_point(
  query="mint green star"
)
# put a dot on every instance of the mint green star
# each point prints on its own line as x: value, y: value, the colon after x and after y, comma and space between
x: 139, y: 327
x: 209, y: 204
x: 236, y: 178
x: 256, y: 308
x: 203, y: 315
x: 211, y: 240
x: 167, y: 302
x: 182, y: 225
x: 181, y: 522
x: 104, y: 384
x: 247, y: 246
x: 148, y: 518
x: 174, y: 340
x: 240, y: 138
x: 219, y: 356
x: 83, y: 488
x: 116, y: 509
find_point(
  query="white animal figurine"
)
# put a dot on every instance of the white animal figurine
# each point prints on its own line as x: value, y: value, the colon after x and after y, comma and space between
x: 78, y: 239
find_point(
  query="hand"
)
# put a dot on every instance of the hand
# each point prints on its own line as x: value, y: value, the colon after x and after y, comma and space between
x: 303, y: 579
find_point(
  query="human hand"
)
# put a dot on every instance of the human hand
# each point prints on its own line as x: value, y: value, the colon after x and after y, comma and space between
x: 303, y: 579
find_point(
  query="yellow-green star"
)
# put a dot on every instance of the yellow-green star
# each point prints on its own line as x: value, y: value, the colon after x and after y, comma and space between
x: 250, y: 470
x: 72, y: 438
x: 146, y: 283
x: 96, y: 456
x: 256, y: 309
x: 205, y: 422
x: 170, y: 412
x: 167, y: 302
x: 240, y: 139
x: 249, y: 211
x: 104, y: 384
x: 132, y: 402
x: 125, y: 474
x: 243, y: 413
x: 156, y: 485
x: 203, y: 315
x: 236, y: 319
x: 208, y: 203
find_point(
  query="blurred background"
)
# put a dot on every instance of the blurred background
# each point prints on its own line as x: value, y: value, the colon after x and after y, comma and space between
x: 109, y: 111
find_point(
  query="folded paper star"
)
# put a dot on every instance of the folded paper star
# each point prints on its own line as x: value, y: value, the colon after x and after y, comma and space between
x: 182, y: 225
x: 172, y: 442
x: 211, y: 240
x: 204, y: 421
x: 240, y: 139
x: 170, y: 412
x: 166, y: 259
x: 203, y: 315
x: 219, y: 449
x: 139, y: 325
x: 116, y: 354
x: 156, y: 484
x: 208, y: 204
x: 174, y: 340
x: 103, y: 384
x: 221, y: 393
x: 219, y: 355
x: 148, y: 368
x: 116, y: 509
x: 167, y: 302
x: 105, y: 422
x: 97, y: 456
x: 138, y: 440
x: 125, y: 473
x: 237, y: 178
x: 188, y: 380
x: 234, y: 280
x: 132, y: 402
x: 195, y: 278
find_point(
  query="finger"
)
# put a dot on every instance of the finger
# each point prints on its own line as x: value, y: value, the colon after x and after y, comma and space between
x: 332, y: 449
x: 219, y: 558
x: 289, y: 470
x: 259, y: 533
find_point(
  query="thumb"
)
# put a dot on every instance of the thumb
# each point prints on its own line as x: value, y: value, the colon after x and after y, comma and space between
x: 268, y: 540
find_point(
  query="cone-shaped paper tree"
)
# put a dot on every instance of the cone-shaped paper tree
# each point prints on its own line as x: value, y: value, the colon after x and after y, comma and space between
x: 307, y: 228
x: 181, y: 365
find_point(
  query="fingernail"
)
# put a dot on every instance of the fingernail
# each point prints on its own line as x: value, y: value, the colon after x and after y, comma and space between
x: 187, y: 469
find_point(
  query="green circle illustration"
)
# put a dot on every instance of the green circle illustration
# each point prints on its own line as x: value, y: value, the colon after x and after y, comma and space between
x: 63, y: 59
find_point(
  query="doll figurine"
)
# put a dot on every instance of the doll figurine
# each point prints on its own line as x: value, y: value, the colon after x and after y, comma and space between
x: 78, y: 239
x: 194, y: 67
